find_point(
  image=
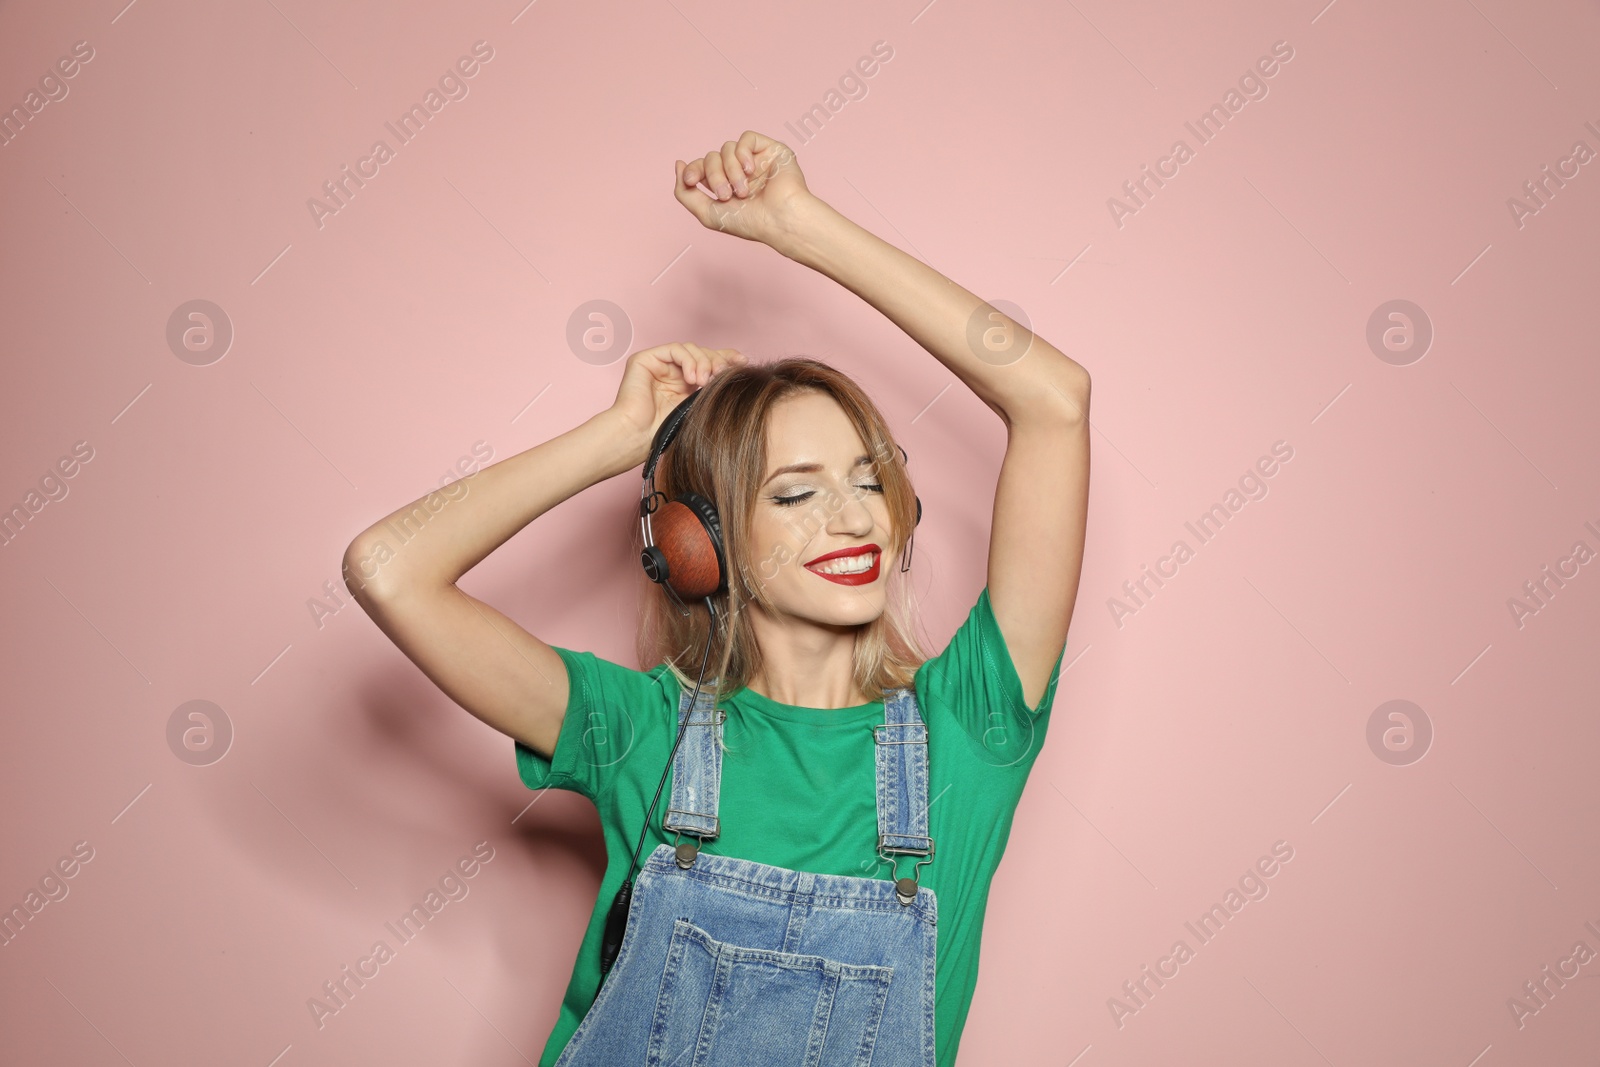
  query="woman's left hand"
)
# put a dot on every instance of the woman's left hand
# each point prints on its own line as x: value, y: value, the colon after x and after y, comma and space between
x: 760, y: 190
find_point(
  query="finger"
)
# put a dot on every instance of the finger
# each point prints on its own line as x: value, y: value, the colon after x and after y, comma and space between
x: 683, y: 363
x: 695, y: 174
x: 662, y: 362
x: 700, y: 362
x: 708, y: 364
x: 774, y: 160
x: 716, y: 180
x: 746, y: 150
x: 732, y: 165
x: 763, y: 149
x: 689, y: 195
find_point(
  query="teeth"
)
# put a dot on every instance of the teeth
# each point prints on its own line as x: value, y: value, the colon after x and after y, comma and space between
x: 849, y: 565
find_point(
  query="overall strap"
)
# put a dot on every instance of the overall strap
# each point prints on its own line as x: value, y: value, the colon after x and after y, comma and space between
x: 902, y: 771
x: 697, y: 767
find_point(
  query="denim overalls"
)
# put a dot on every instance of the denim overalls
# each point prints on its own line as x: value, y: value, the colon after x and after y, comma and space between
x: 731, y: 962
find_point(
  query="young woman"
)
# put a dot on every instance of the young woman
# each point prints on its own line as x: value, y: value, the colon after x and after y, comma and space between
x: 813, y: 889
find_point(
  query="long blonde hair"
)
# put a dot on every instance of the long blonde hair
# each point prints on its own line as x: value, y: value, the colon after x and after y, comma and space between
x: 720, y: 453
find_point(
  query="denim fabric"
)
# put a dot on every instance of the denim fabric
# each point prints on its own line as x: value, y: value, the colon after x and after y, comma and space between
x: 733, y: 962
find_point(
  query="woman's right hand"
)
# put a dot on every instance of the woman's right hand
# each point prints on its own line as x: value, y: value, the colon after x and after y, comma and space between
x: 655, y: 380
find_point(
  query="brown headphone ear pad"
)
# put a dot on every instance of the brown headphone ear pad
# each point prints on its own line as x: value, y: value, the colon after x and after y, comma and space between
x: 694, y: 566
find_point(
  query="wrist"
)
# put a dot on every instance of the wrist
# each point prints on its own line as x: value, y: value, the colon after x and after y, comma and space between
x: 627, y: 446
x: 801, y: 220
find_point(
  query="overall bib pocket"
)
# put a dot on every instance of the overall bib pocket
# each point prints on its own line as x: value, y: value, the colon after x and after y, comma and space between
x: 726, y: 1005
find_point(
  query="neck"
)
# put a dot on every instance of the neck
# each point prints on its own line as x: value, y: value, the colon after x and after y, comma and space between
x: 806, y: 665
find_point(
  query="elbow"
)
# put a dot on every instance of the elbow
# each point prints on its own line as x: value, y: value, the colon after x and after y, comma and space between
x: 362, y: 568
x: 1056, y: 395
x: 375, y: 570
x: 1070, y: 391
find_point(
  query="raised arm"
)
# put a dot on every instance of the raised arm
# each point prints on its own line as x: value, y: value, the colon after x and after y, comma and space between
x: 1041, y: 499
x: 403, y: 569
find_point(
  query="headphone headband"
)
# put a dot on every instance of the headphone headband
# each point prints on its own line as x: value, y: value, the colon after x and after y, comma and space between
x: 667, y: 431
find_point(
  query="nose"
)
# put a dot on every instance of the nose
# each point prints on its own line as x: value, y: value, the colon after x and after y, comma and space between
x: 854, y: 518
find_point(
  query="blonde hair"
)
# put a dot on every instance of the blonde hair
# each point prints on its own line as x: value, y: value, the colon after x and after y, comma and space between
x: 720, y: 452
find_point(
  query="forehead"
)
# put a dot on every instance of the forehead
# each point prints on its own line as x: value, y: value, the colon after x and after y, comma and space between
x: 811, y: 427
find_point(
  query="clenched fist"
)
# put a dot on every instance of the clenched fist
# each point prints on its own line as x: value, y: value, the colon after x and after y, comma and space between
x: 757, y: 183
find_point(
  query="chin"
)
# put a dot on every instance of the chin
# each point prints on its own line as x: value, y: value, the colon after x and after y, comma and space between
x: 845, y: 605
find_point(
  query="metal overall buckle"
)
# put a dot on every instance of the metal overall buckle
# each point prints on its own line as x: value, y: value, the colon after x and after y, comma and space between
x: 684, y: 852
x: 905, y: 889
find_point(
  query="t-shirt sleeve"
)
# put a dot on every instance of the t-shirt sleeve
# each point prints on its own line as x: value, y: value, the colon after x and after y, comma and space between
x: 974, y: 681
x: 606, y: 705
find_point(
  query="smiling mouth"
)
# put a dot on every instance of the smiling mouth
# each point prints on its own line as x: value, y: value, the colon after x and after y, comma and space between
x: 859, y: 568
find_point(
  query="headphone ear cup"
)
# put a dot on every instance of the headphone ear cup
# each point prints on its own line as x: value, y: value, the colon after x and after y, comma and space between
x: 918, y: 499
x: 688, y: 542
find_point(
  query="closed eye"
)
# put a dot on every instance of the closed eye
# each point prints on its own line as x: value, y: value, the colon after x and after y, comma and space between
x: 799, y: 498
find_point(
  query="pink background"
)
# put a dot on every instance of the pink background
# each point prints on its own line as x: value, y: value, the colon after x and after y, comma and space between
x: 430, y: 313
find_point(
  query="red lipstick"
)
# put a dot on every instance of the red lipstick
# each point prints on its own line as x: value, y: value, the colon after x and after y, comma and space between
x: 866, y: 577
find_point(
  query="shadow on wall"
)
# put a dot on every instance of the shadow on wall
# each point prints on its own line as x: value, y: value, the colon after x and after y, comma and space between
x: 407, y: 730
x: 404, y: 729
x: 345, y: 808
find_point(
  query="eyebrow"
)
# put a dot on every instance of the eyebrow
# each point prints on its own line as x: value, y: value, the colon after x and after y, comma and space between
x: 812, y: 468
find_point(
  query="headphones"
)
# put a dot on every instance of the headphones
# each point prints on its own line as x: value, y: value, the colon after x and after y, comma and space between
x: 689, y: 561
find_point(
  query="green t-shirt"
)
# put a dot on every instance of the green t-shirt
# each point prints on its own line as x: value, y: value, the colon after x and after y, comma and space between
x: 798, y: 790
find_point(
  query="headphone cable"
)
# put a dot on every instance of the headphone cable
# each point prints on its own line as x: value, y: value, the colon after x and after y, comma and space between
x: 617, y: 917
